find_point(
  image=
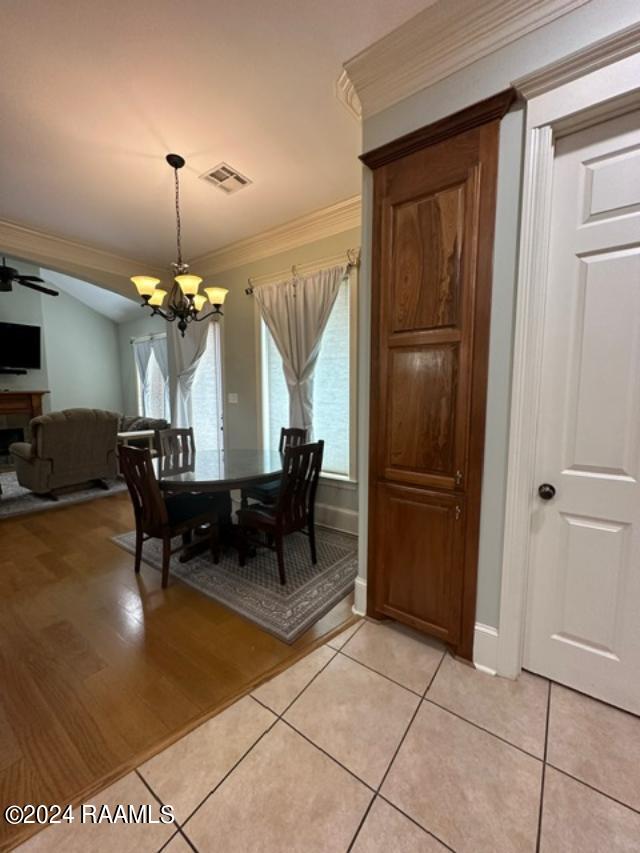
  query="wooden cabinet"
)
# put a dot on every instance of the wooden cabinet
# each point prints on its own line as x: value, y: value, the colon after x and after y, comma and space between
x: 434, y: 211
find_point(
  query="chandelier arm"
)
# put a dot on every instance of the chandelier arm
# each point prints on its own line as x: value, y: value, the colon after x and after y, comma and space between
x: 168, y: 317
x: 213, y: 313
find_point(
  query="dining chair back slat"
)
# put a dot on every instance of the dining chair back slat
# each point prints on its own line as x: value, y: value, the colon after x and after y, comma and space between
x: 291, y: 437
x: 149, y: 507
x: 176, y: 441
x: 300, y: 474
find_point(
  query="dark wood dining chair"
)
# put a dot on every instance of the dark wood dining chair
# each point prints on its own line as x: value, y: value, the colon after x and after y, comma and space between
x: 267, y: 493
x: 163, y: 518
x: 176, y: 441
x: 294, y: 508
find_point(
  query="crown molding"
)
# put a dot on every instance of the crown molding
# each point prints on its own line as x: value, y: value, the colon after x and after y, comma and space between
x: 307, y: 229
x: 69, y: 256
x: 440, y: 40
x: 611, y: 49
x: 113, y: 271
x: 348, y: 97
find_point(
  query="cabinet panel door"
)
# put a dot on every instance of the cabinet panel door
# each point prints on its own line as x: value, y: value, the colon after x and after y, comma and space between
x: 423, y: 542
x: 426, y: 325
x: 434, y: 214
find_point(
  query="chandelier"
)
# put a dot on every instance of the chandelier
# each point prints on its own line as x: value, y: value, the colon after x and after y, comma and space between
x: 185, y: 303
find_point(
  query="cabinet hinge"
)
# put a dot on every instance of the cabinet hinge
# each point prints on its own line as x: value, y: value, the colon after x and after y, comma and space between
x: 458, y: 478
x: 458, y: 512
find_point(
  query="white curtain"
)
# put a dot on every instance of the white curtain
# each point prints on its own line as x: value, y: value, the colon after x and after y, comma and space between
x: 183, y: 357
x: 161, y: 354
x: 142, y: 354
x: 296, y: 313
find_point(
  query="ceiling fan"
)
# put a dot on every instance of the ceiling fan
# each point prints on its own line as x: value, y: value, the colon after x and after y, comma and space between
x: 9, y: 275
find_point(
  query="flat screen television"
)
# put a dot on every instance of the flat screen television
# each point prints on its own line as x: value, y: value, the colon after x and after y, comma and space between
x: 19, y: 346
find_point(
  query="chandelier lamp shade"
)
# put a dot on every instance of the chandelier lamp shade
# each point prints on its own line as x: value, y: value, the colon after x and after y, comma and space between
x: 185, y: 303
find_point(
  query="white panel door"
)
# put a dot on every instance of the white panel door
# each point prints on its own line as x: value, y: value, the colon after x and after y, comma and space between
x: 583, y: 619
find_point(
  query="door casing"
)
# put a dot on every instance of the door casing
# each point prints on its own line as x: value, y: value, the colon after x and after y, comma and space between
x: 561, y: 98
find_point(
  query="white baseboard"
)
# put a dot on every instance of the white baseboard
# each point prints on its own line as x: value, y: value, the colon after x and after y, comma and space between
x: 485, y: 637
x: 360, y: 597
x: 485, y: 648
x: 345, y: 520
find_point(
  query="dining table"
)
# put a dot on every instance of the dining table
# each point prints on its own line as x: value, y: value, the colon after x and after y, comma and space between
x: 207, y: 471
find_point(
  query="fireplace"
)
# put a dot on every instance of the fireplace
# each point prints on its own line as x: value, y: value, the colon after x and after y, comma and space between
x: 7, y: 437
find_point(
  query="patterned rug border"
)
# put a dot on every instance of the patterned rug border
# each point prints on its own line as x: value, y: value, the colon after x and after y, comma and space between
x: 271, y: 610
x: 30, y: 504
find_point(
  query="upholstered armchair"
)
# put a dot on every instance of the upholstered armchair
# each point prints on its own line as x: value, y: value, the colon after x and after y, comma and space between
x: 67, y: 448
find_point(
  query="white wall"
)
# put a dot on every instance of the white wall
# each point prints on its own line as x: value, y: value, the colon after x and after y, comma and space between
x: 80, y: 356
x: 488, y: 76
x: 83, y: 359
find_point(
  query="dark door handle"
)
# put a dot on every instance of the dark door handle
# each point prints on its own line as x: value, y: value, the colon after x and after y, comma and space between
x: 546, y: 491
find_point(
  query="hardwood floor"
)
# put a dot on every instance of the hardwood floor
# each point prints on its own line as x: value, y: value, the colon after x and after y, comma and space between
x: 101, y: 669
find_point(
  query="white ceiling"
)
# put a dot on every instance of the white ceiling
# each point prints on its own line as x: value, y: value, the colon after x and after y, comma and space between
x: 95, y: 94
x: 114, y: 306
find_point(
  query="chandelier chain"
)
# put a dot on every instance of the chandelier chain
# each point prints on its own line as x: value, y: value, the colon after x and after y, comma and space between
x: 178, y: 222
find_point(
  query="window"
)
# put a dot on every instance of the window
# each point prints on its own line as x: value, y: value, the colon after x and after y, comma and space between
x: 153, y: 393
x: 206, y: 395
x: 331, y: 389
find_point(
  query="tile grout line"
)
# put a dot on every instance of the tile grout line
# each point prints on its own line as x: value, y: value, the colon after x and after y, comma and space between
x: 265, y: 732
x: 593, y: 788
x: 176, y: 823
x: 425, y: 698
x: 336, y: 652
x: 377, y: 791
x: 482, y: 729
x: 586, y: 695
x: 415, y: 822
x: 229, y: 772
x: 396, y: 751
x: 328, y: 754
x: 544, y: 767
x: 377, y: 672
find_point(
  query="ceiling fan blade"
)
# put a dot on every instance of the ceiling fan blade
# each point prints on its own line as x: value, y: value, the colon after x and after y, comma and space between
x: 37, y: 287
x: 30, y: 278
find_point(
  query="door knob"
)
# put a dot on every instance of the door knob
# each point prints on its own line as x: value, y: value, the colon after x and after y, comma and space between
x: 546, y: 491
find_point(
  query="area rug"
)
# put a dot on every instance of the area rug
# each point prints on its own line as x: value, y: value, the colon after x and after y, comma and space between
x: 15, y: 500
x: 255, y: 592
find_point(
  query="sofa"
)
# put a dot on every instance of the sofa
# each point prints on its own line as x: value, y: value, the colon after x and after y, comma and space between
x: 133, y: 423
x: 68, y: 448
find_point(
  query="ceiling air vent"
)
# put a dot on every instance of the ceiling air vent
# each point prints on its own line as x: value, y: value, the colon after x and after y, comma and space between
x: 226, y: 178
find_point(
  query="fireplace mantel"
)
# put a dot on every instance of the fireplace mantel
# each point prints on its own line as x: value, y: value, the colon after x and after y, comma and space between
x: 16, y: 402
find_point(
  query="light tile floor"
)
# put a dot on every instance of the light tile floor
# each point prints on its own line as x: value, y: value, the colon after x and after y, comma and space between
x: 379, y: 741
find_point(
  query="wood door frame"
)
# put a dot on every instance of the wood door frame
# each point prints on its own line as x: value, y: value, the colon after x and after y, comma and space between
x: 590, y: 86
x: 484, y: 113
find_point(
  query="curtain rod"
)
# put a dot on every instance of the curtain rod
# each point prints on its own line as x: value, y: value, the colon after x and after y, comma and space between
x: 353, y: 261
